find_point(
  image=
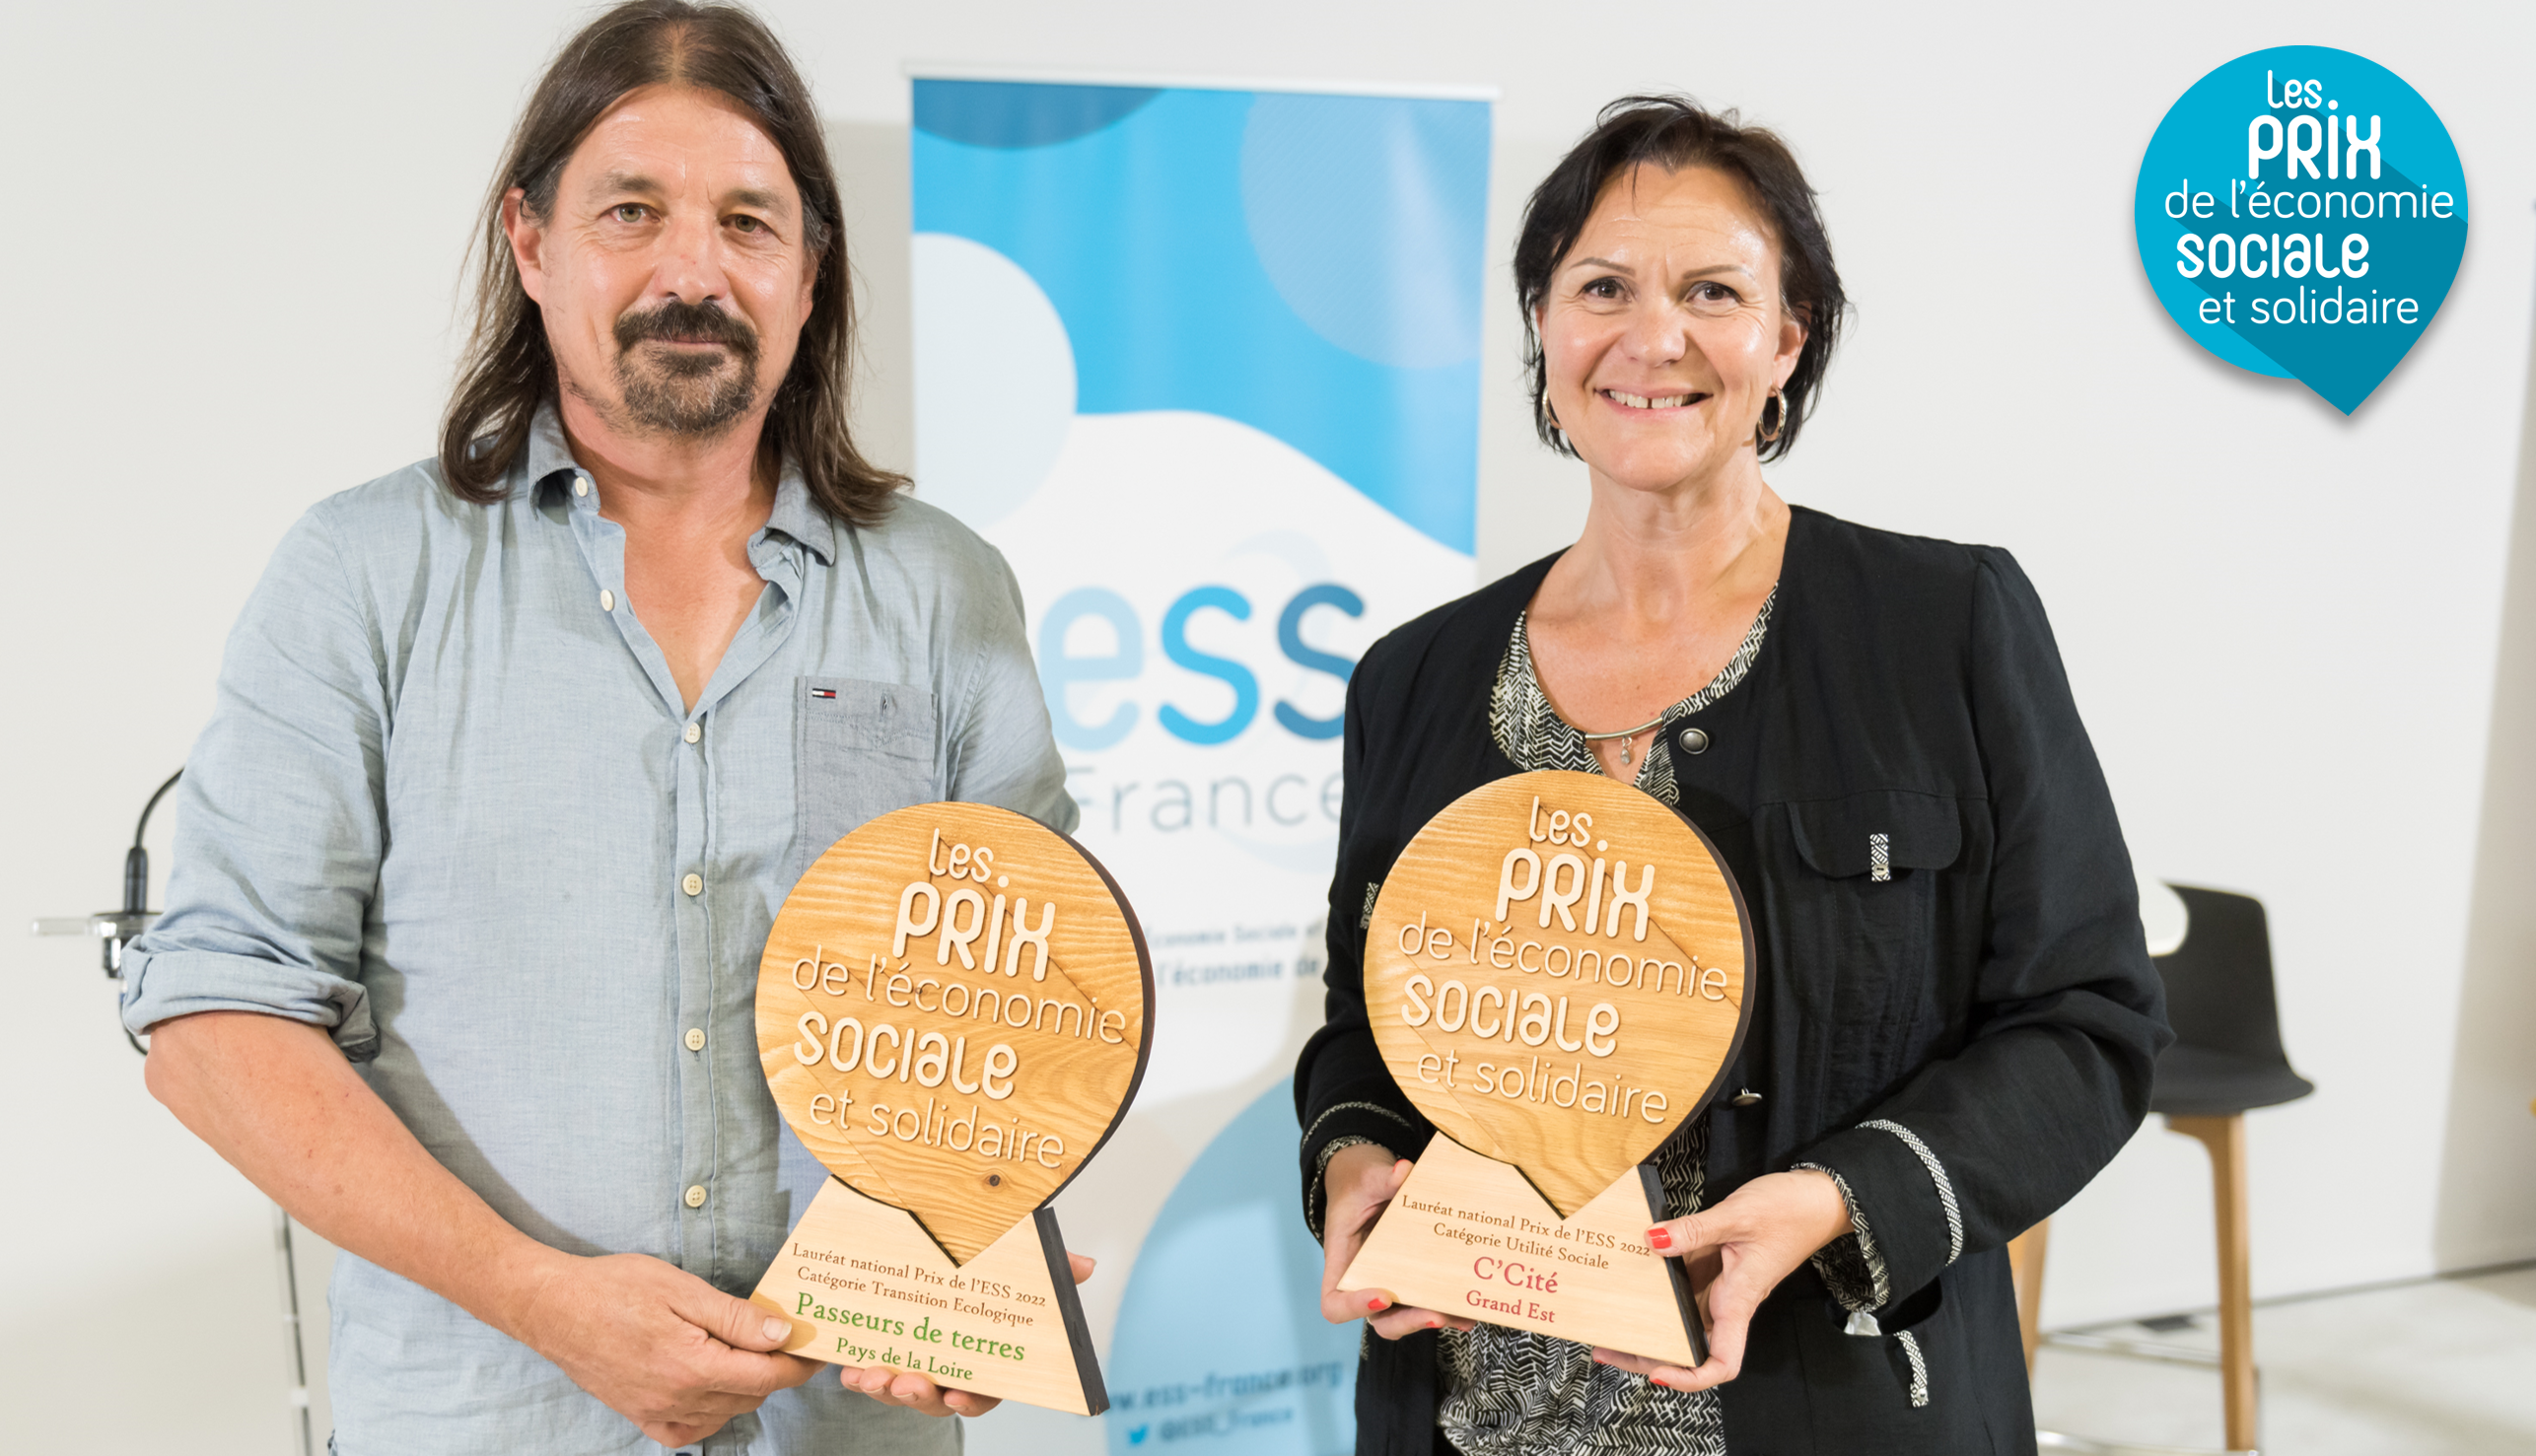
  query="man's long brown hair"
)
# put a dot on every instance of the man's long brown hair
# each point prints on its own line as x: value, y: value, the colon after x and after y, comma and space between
x: 509, y: 371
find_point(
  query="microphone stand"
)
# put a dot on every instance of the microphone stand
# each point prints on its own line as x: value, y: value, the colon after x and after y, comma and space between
x: 117, y: 928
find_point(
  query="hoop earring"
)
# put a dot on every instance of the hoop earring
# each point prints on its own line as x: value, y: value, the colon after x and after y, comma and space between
x: 1777, y: 417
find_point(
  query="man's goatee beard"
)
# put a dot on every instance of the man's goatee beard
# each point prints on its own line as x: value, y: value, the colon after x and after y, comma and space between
x: 687, y: 394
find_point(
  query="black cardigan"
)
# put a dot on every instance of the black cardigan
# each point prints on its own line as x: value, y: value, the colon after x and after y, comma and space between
x: 1992, y: 997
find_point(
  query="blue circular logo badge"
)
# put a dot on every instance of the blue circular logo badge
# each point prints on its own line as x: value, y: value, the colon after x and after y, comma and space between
x: 2301, y: 213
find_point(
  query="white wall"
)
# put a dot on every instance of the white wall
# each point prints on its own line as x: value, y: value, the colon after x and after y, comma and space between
x: 235, y: 235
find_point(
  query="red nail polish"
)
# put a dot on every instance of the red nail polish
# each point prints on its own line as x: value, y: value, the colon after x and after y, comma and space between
x: 1376, y: 1304
x: 1662, y: 1238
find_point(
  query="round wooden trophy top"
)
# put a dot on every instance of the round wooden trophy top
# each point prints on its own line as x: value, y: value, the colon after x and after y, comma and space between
x: 953, y: 1011
x: 1555, y: 975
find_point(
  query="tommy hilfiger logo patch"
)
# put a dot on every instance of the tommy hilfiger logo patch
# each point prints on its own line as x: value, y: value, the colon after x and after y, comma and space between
x: 822, y: 692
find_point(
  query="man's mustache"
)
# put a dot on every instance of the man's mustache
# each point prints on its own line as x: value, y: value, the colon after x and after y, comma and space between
x: 677, y: 321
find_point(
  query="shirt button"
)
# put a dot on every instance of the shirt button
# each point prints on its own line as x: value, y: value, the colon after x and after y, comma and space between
x: 696, y: 1195
x: 1694, y: 741
x: 693, y: 884
x: 696, y: 1038
x: 581, y: 485
x: 606, y: 599
x: 695, y: 730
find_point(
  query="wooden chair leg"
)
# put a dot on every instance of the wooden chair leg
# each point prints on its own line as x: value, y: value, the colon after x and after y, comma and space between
x: 2026, y: 1268
x: 2224, y: 1136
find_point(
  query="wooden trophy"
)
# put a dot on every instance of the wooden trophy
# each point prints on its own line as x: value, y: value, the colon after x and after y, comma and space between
x: 1555, y: 976
x: 954, y: 1012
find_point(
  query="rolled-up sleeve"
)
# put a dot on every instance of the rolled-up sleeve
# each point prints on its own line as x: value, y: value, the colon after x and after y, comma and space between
x: 1975, y: 1148
x: 278, y: 824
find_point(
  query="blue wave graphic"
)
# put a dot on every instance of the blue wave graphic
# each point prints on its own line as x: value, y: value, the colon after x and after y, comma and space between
x: 1221, y: 1348
x: 1308, y: 266
x: 1006, y: 113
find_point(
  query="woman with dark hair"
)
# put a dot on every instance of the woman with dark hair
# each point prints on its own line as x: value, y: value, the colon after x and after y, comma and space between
x: 1953, y: 1015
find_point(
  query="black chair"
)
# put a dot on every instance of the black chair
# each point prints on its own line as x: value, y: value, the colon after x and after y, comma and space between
x: 2226, y: 1061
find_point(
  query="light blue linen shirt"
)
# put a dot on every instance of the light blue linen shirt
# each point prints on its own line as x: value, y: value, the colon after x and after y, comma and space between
x: 451, y: 807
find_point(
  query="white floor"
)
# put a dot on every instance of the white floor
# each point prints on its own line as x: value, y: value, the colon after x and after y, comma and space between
x: 2441, y: 1368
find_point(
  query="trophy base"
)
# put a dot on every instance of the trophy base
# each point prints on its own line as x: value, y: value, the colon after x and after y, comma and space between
x: 1468, y: 1236
x: 863, y: 1284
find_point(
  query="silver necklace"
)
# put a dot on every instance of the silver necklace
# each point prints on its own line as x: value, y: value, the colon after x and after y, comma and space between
x: 1624, y: 736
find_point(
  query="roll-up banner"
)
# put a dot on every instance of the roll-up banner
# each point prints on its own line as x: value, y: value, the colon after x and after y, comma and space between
x: 1203, y: 362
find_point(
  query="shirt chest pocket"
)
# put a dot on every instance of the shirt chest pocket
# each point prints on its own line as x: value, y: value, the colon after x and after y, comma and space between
x: 860, y: 749
x: 1853, y: 898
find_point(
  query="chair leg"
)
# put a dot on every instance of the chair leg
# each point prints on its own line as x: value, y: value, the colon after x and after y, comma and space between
x: 2224, y: 1136
x: 2026, y: 1268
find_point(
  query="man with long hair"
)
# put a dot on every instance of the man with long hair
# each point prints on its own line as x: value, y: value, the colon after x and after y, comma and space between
x: 516, y: 754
